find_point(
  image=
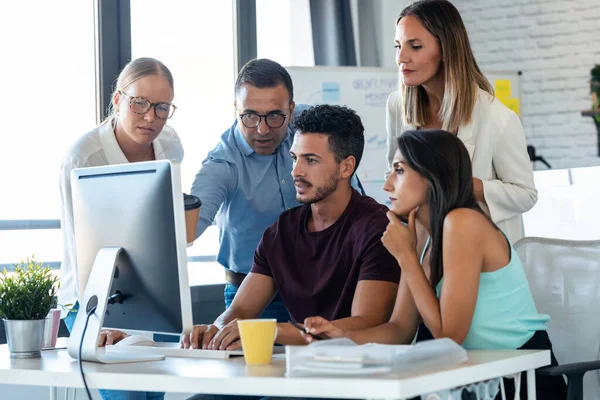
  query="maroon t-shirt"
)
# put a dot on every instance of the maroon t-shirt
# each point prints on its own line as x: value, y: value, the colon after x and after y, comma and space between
x: 316, y: 273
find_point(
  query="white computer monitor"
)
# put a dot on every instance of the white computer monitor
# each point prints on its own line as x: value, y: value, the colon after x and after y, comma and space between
x: 130, y: 240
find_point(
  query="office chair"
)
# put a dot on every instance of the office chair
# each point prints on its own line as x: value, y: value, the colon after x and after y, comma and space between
x: 564, y: 277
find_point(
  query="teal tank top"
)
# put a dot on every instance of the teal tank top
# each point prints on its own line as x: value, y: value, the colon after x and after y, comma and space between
x: 505, y: 315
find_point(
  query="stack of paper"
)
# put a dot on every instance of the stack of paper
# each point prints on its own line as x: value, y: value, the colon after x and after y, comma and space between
x: 344, y: 357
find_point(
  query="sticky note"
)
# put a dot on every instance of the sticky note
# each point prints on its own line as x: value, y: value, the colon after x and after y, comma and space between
x: 331, y: 92
x: 511, y: 103
x: 502, y: 88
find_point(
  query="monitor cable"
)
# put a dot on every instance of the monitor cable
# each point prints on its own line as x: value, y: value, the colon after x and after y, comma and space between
x: 118, y: 297
x: 89, y: 314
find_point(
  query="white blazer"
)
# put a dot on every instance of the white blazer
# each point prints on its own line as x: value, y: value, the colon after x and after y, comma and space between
x: 496, y: 143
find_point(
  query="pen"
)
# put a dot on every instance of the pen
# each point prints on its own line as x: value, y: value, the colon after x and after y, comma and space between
x: 301, y: 329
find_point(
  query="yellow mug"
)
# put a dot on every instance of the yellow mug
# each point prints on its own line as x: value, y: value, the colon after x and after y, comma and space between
x: 258, y: 337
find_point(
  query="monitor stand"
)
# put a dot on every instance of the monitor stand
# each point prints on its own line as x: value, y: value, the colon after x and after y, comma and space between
x: 96, y: 295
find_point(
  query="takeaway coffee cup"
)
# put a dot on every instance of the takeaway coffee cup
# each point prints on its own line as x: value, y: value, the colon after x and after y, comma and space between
x: 192, y: 211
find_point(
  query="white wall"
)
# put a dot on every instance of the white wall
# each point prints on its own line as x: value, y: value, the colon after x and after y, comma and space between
x: 554, y: 43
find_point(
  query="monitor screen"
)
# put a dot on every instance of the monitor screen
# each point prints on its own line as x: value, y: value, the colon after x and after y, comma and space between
x: 138, y: 207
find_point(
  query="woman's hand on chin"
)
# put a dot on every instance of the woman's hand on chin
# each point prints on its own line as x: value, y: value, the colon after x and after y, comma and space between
x: 399, y: 239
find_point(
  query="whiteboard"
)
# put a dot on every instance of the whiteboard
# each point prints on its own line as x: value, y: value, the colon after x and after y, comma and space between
x: 365, y: 90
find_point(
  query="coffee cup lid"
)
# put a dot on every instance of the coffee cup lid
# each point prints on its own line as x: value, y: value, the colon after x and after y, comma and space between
x: 191, y: 202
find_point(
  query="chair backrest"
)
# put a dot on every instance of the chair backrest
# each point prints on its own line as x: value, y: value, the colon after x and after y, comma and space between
x: 564, y: 277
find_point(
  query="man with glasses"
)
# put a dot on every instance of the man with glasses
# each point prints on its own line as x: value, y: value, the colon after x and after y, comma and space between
x: 245, y: 182
x: 326, y: 257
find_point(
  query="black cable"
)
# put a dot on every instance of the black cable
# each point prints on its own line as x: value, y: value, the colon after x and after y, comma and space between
x: 541, y: 159
x: 89, y: 314
x: 118, y: 297
x: 534, y: 157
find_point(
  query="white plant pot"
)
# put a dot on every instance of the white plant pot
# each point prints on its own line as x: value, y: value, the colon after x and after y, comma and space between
x: 25, y: 337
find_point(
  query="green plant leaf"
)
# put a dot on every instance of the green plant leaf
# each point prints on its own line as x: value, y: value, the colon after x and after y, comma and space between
x: 28, y: 293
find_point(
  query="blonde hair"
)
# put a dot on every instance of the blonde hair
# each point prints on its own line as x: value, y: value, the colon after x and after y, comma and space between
x: 462, y: 75
x: 134, y: 70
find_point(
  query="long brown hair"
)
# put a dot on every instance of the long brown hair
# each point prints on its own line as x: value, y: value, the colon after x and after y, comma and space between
x: 461, y: 72
x: 443, y: 160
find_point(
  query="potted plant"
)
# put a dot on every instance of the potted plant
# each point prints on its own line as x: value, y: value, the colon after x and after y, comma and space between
x: 26, y: 297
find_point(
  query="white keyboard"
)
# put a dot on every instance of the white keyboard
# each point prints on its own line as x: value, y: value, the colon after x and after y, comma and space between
x: 173, y: 350
x: 118, y: 357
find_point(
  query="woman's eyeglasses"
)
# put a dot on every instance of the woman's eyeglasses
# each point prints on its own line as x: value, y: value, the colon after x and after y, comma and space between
x: 141, y: 105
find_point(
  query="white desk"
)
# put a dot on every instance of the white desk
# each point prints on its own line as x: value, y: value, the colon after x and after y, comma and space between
x: 186, y: 375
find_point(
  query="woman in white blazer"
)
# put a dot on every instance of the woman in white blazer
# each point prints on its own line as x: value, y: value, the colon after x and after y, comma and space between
x: 441, y: 87
x: 135, y: 131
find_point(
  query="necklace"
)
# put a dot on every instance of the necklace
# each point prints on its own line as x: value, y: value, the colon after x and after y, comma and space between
x: 145, y: 157
x: 148, y: 156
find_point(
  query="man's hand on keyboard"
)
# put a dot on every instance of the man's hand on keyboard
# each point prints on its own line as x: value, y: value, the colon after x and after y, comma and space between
x: 228, y: 338
x: 108, y: 337
x: 200, y: 337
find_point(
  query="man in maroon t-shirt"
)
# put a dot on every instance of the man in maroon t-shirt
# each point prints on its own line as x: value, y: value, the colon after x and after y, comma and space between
x: 325, y: 257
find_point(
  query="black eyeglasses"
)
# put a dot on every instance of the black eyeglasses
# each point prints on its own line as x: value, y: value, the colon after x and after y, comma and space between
x: 273, y: 120
x: 141, y: 105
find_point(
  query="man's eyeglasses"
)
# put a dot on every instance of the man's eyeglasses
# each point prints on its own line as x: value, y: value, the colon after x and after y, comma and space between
x: 273, y: 120
x: 141, y: 105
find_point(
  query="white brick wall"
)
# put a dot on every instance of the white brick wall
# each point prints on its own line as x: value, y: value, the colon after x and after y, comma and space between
x: 555, y: 44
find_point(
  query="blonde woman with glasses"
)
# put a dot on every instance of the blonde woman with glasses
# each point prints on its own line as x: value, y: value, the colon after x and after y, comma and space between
x: 134, y: 131
x: 441, y: 87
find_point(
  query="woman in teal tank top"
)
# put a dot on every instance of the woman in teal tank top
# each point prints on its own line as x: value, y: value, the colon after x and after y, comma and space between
x: 461, y: 278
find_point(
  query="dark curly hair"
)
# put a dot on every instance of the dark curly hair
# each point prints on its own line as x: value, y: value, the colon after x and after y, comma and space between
x: 342, y: 126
